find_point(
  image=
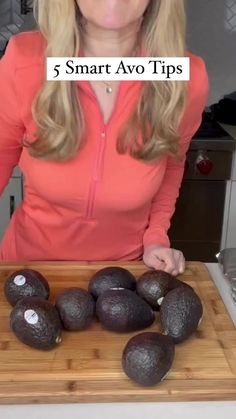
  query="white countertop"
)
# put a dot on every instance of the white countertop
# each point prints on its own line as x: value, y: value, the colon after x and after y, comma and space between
x: 178, y: 410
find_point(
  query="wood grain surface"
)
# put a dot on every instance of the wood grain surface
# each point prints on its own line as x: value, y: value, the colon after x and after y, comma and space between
x: 86, y: 366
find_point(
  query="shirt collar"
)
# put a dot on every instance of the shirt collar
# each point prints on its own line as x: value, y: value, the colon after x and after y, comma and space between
x: 126, y: 84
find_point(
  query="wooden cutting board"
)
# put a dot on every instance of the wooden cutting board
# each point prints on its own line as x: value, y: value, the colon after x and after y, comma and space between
x: 86, y: 367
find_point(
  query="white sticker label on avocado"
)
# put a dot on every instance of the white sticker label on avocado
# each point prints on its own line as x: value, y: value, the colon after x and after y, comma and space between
x: 31, y: 317
x: 159, y: 301
x: 19, y: 280
x: 200, y: 321
x: 163, y: 378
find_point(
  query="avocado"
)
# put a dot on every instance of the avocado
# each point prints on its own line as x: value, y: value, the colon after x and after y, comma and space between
x: 152, y: 286
x: 36, y: 323
x: 111, y: 277
x: 147, y: 358
x: 76, y: 308
x: 25, y: 283
x: 180, y: 313
x: 123, y: 311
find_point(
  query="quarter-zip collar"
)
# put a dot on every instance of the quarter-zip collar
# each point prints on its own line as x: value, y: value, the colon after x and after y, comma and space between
x: 125, y: 85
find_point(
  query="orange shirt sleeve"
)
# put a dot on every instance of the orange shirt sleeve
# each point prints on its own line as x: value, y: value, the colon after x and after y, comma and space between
x: 163, y: 205
x: 11, y: 126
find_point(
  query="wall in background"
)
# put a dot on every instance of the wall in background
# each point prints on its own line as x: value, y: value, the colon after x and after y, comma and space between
x: 10, y: 12
x: 212, y: 35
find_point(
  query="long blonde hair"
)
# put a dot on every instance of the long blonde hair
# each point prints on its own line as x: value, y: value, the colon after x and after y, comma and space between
x: 56, y: 108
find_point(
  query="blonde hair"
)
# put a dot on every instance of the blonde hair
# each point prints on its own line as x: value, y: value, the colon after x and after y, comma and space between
x: 56, y: 108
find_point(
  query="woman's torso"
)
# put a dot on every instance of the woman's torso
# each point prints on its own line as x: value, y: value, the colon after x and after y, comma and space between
x: 93, y: 207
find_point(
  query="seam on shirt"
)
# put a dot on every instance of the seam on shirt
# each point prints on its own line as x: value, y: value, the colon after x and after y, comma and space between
x: 23, y: 66
x: 19, y: 113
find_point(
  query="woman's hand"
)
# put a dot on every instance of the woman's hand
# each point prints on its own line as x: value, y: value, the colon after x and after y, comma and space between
x: 164, y: 258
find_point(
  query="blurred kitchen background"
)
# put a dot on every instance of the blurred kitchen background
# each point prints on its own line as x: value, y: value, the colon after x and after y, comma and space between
x: 211, y: 34
x: 15, y: 16
x: 205, y: 218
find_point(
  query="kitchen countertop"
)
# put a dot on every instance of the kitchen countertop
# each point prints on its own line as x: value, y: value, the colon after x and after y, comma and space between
x: 86, y: 366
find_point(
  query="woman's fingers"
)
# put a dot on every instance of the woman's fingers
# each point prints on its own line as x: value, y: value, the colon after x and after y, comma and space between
x: 158, y: 264
x: 166, y: 259
x: 167, y: 256
x: 181, y: 263
x: 155, y: 263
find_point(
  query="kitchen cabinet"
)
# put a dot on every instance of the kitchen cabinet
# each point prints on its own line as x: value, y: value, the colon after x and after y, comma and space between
x: 229, y: 225
x: 11, y: 198
x: 231, y: 233
x: 231, y: 230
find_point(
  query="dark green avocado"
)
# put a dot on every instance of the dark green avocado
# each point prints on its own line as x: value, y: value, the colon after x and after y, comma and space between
x: 111, y: 277
x: 25, y: 283
x: 180, y: 313
x: 123, y: 311
x: 148, y: 357
x: 36, y: 323
x: 152, y: 286
x: 76, y: 308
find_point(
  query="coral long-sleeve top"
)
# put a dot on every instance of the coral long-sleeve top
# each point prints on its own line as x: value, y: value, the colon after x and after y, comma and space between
x: 100, y: 205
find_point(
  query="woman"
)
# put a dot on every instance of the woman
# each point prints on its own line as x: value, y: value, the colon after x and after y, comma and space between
x: 102, y: 162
